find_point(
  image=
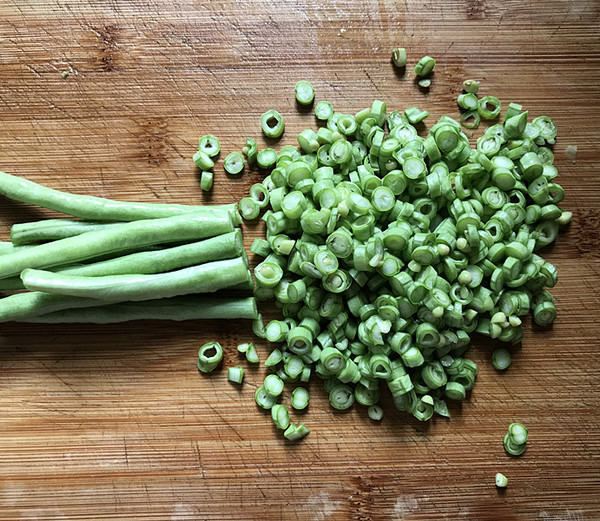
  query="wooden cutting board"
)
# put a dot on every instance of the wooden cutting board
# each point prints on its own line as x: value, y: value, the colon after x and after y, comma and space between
x: 115, y: 422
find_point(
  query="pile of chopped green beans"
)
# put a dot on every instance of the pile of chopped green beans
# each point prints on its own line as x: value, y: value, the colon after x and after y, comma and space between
x: 157, y: 263
x: 386, y: 249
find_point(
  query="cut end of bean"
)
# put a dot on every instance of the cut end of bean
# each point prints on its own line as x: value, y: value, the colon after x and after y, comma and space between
x: 501, y: 480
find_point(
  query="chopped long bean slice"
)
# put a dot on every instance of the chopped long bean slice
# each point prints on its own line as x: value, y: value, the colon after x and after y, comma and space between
x: 280, y: 416
x: 341, y: 397
x: 210, y: 145
x: 511, y: 448
x: 501, y: 359
x: 299, y: 398
x: 206, y: 181
x: 305, y: 93
x: 264, y: 399
x: 203, y: 161
x: 209, y: 357
x: 501, y: 480
x: 424, y: 66
x: 234, y: 163
x: 272, y: 124
x: 399, y: 57
x: 489, y: 107
x: 471, y: 86
x: 296, y: 432
x: 273, y: 385
x: 375, y: 412
x: 518, y: 433
x: 235, y: 374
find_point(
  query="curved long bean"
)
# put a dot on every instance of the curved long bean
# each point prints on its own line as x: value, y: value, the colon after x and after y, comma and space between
x: 121, y: 237
x: 91, y: 207
x: 205, y: 278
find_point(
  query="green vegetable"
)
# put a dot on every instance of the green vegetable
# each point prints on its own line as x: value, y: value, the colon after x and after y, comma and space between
x: 234, y: 163
x: 501, y: 359
x: 511, y: 448
x: 272, y: 124
x: 55, y: 309
x: 424, y: 66
x: 203, y: 161
x: 471, y: 86
x: 120, y: 237
x: 323, y: 110
x: 250, y: 150
x: 399, y: 57
x: 210, y: 145
x: 280, y: 416
x: 264, y: 399
x: 501, y: 480
x: 489, y: 107
x: 209, y: 356
x: 296, y: 432
x: 273, y: 385
x: 93, y: 208
x: 53, y: 229
x: 375, y: 412
x: 518, y: 433
x: 206, y: 181
x: 226, y: 246
x: 276, y: 331
x: 300, y: 398
x: 305, y: 93
x: 251, y: 354
x: 515, y: 440
x: 266, y: 158
x: 386, y: 250
x: 341, y: 397
x: 204, y: 278
x: 467, y: 101
x: 235, y: 374
x: 249, y: 208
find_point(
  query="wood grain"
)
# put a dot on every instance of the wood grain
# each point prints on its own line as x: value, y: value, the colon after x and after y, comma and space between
x: 115, y: 422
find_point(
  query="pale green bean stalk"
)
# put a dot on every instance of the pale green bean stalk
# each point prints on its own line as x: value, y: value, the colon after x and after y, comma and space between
x: 122, y: 237
x: 94, y: 208
x: 226, y: 246
x: 176, y: 308
x: 205, y: 278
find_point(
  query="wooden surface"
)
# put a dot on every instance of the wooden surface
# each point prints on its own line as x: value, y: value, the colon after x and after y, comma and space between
x: 115, y: 422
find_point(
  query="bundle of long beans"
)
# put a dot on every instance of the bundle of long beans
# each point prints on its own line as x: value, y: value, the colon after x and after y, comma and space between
x: 123, y: 261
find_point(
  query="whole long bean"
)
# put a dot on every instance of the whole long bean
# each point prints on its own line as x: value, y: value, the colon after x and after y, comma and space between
x: 205, y: 278
x: 94, y: 208
x: 176, y: 308
x: 226, y: 246
x: 22, y: 306
x: 121, y: 237
x: 9, y: 247
x: 52, y: 230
